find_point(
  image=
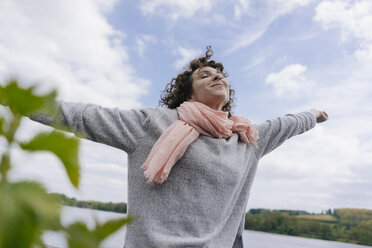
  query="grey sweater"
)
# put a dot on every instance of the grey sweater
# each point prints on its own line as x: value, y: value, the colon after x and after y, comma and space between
x: 203, y: 201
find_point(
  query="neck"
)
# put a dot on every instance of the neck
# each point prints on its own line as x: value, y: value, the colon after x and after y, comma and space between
x: 214, y: 105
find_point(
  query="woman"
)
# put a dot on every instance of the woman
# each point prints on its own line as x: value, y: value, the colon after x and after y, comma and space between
x: 190, y: 168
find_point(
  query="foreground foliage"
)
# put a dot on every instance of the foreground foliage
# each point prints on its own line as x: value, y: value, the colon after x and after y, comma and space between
x: 347, y: 225
x: 26, y: 209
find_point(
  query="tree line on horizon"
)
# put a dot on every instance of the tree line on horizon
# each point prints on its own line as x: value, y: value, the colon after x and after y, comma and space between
x: 105, y: 206
x: 345, y: 225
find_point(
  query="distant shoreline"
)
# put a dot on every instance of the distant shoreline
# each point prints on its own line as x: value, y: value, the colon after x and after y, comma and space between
x: 343, y: 225
x: 105, y: 206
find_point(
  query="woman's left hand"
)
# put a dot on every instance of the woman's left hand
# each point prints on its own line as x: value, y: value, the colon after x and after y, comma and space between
x: 321, y: 116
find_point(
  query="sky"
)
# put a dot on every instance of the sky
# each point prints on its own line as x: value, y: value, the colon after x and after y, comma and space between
x: 282, y: 56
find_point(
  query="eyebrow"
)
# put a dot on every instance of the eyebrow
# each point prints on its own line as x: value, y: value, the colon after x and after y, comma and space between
x: 209, y: 71
x: 206, y: 70
x: 201, y: 72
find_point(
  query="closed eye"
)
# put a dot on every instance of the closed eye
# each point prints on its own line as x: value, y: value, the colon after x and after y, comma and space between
x: 205, y: 74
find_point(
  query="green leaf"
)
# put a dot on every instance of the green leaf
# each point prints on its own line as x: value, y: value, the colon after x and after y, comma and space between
x: 2, y: 123
x: 106, y: 229
x: 25, y: 101
x: 25, y: 211
x: 79, y: 235
x: 64, y: 147
x: 4, y: 166
x: 9, y: 126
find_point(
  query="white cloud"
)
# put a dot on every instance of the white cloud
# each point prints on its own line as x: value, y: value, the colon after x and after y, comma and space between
x: 289, y: 81
x: 246, y: 38
x: 174, y: 9
x: 254, y: 19
x: 258, y: 18
x: 187, y: 54
x: 69, y: 45
x: 76, y: 51
x: 255, y: 61
x: 142, y: 43
x: 353, y: 18
x: 288, y: 5
x: 328, y: 165
x: 105, y: 5
x: 332, y: 164
x: 241, y: 7
x: 103, y: 178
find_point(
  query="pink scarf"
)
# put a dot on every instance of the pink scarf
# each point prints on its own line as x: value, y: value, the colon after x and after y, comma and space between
x: 194, y: 118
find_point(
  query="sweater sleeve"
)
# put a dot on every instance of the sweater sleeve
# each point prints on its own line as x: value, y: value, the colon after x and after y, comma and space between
x: 111, y: 126
x: 274, y: 132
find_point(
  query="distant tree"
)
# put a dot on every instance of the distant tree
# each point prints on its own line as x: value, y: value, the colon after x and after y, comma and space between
x: 350, y: 225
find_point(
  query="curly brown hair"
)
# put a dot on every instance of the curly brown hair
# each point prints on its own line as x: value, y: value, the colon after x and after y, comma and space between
x: 180, y: 88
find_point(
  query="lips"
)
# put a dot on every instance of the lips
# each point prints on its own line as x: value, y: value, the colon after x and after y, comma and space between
x: 218, y: 84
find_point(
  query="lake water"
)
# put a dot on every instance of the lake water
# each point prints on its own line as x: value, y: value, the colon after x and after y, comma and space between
x: 251, y: 239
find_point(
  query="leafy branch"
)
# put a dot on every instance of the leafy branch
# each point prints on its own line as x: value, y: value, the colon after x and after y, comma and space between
x: 26, y: 209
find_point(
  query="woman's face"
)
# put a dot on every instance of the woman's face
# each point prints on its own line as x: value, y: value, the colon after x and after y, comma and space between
x: 210, y: 87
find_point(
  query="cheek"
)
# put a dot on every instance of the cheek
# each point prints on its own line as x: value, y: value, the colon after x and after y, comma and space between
x: 228, y: 90
x: 194, y: 87
x: 194, y: 90
x: 197, y: 88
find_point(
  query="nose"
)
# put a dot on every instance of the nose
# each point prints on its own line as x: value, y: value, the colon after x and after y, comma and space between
x: 217, y: 77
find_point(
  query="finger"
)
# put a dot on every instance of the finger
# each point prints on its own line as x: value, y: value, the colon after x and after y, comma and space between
x: 323, y: 117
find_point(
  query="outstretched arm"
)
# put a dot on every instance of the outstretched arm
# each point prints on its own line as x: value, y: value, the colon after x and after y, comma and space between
x: 275, y: 131
x: 111, y: 126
